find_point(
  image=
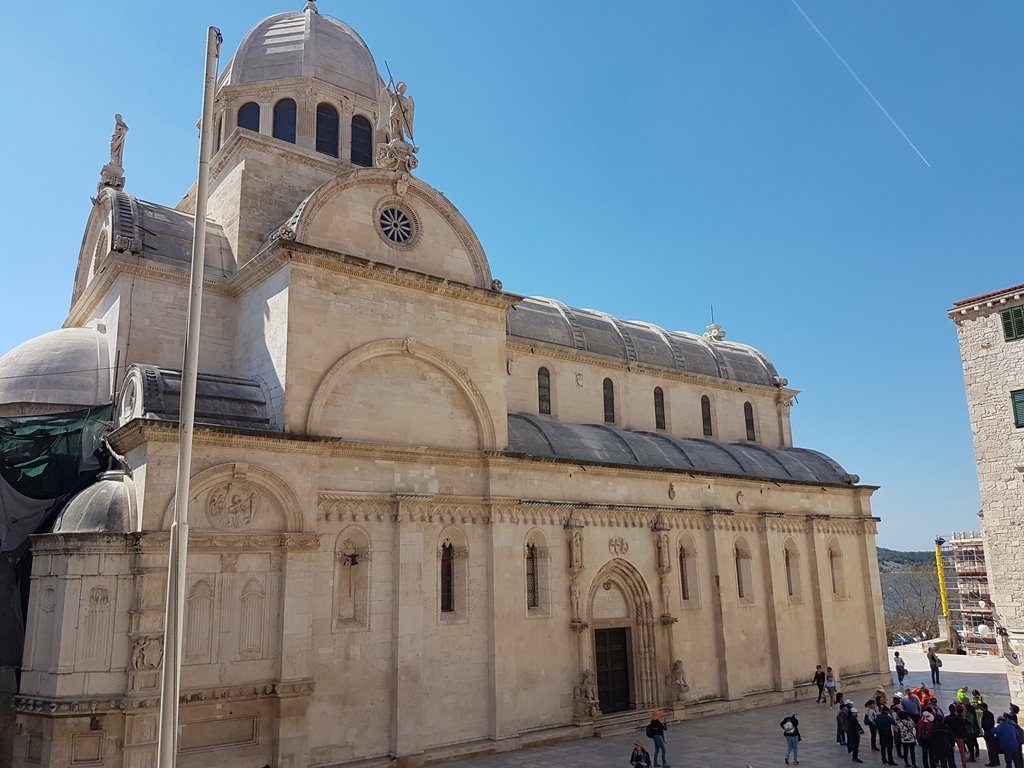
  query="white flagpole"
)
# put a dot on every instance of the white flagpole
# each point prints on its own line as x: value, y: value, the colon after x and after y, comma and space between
x: 167, y: 744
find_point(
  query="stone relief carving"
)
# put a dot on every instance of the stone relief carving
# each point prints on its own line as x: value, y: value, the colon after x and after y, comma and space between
x: 585, y: 699
x: 147, y: 653
x: 618, y: 546
x: 575, y: 551
x: 233, y: 506
x: 97, y: 616
x: 676, y: 681
x: 664, y: 553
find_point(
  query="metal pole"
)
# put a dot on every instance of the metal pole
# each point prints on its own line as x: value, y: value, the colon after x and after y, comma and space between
x: 167, y: 744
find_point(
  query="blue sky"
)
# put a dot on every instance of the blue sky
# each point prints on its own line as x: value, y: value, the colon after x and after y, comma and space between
x: 646, y: 159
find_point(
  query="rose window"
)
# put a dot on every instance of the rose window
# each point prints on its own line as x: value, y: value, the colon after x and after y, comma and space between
x: 396, y: 225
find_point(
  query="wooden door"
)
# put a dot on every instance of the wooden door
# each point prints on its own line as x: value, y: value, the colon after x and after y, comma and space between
x: 611, y: 647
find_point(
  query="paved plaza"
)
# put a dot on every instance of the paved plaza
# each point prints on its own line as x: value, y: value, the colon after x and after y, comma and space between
x: 754, y: 738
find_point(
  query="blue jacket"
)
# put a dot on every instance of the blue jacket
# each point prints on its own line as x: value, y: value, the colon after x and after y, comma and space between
x: 1006, y: 734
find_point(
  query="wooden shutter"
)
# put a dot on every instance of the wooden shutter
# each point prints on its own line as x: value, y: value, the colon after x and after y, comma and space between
x: 1017, y: 399
x: 1013, y: 323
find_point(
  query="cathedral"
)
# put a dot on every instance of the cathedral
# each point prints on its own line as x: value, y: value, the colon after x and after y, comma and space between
x: 429, y: 517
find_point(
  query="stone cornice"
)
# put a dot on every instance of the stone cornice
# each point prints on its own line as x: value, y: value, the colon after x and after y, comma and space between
x: 282, y: 251
x: 72, y: 706
x: 142, y: 430
x: 514, y: 344
x: 158, y: 542
x: 996, y: 302
x: 116, y: 264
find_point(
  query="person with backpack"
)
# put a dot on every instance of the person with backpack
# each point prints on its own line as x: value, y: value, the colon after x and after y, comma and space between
x: 656, y: 732
x: 791, y: 730
x: 908, y: 738
x: 924, y: 738
x: 884, y: 722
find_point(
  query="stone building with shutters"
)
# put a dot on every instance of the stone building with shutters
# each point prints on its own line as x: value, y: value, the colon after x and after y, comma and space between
x: 990, y: 329
x: 430, y: 517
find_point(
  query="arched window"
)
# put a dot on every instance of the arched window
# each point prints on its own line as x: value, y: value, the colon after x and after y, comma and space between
x: 744, y: 576
x: 748, y: 416
x: 659, y: 408
x: 362, y: 141
x: 532, y: 594
x: 250, y: 628
x: 216, y: 134
x: 705, y: 415
x: 543, y: 391
x: 688, y: 572
x: 284, y: 120
x: 249, y: 117
x: 447, y: 578
x: 609, y: 401
x: 327, y: 130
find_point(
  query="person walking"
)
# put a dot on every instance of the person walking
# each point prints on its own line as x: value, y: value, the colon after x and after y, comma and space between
x: 656, y: 732
x: 791, y: 730
x: 640, y: 758
x: 870, y: 714
x: 884, y: 723
x: 853, y: 734
x: 988, y: 723
x: 831, y: 683
x: 908, y: 738
x: 901, y: 668
x: 934, y: 663
x: 819, y: 680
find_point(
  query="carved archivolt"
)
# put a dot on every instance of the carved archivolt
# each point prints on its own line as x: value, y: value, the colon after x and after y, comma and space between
x: 427, y: 354
x: 305, y: 216
x: 233, y: 495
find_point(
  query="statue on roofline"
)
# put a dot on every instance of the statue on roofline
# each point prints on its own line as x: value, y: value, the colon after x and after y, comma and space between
x: 394, y: 121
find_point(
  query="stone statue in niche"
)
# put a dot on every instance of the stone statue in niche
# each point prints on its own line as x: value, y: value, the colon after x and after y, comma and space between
x: 676, y: 681
x: 233, y: 506
x: 585, y: 701
x: 147, y: 653
x: 664, y: 555
x: 576, y: 550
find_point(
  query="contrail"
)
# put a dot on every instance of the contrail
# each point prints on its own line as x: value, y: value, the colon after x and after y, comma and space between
x: 861, y: 83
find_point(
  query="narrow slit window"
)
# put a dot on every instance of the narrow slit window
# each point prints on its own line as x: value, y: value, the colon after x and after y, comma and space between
x: 249, y: 117
x: 284, y: 120
x: 740, y: 591
x: 447, y: 578
x: 327, y: 130
x: 659, y: 408
x: 362, y: 141
x: 705, y: 415
x: 609, y: 401
x: 544, y: 391
x: 748, y: 416
x: 789, y: 573
x: 684, y: 578
x: 532, y: 599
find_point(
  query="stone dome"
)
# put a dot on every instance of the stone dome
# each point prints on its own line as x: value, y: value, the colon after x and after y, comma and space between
x: 66, y: 368
x: 306, y: 44
x: 106, y: 506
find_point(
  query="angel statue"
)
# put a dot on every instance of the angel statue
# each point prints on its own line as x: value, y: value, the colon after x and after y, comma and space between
x: 396, y: 113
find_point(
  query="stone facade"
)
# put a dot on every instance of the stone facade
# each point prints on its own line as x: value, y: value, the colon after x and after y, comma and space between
x: 993, y: 368
x: 385, y: 561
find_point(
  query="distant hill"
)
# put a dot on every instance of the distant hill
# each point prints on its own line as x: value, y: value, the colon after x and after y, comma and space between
x: 904, y: 558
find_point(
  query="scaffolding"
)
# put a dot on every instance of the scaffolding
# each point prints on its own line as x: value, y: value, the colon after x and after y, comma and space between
x: 963, y: 585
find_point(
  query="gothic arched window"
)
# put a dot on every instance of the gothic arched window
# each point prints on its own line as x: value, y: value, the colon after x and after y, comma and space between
x: 705, y: 416
x: 362, y: 141
x: 249, y: 117
x: 609, y: 401
x: 543, y: 390
x: 659, y: 408
x: 327, y: 130
x: 447, y: 578
x: 532, y: 594
x: 748, y: 416
x: 284, y: 120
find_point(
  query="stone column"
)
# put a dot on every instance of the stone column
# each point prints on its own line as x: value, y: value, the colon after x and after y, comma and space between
x: 410, y: 573
x: 721, y: 559
x: 775, y: 592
